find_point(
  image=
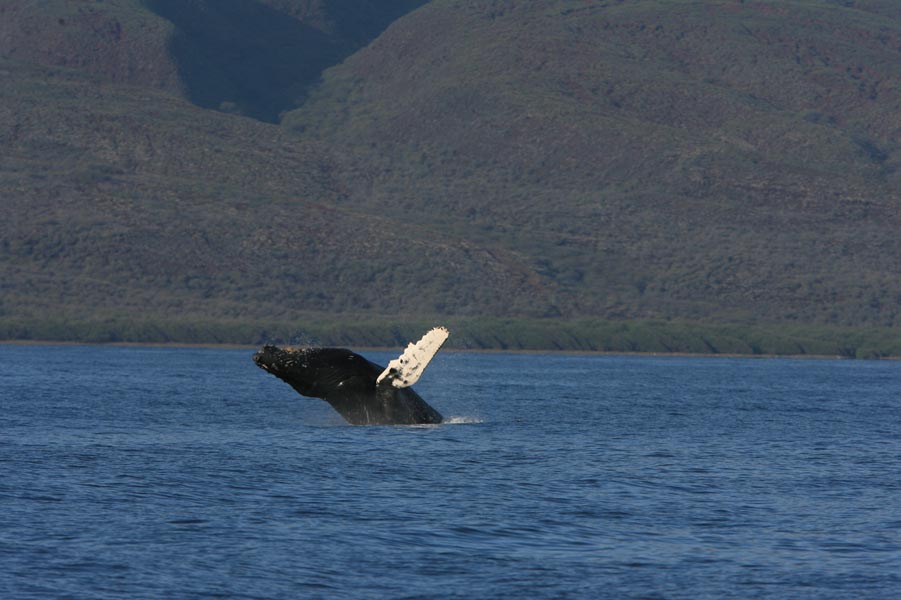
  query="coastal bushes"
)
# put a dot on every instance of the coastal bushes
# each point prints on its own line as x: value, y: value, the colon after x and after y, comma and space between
x: 582, y: 335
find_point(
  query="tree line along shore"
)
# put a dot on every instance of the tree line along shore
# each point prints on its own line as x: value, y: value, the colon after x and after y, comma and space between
x: 580, y: 335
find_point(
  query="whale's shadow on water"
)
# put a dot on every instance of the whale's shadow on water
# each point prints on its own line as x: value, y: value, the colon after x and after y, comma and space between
x: 361, y: 391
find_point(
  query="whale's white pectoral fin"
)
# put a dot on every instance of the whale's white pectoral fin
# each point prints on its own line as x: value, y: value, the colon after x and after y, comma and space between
x: 406, y: 369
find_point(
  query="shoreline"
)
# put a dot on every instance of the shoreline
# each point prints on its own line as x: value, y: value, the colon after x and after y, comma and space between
x: 581, y: 336
x: 557, y: 351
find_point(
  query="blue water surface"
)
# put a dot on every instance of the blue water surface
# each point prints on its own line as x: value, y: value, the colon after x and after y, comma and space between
x: 189, y: 473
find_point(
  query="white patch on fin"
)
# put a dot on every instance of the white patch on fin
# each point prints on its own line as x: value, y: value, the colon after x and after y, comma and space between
x: 406, y: 369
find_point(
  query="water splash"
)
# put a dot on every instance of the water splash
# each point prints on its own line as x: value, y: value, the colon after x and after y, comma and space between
x: 461, y: 420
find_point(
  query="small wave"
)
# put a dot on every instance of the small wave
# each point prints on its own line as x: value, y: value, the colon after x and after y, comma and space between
x: 461, y: 420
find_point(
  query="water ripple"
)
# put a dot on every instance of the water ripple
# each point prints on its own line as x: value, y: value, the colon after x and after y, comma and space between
x: 185, y: 474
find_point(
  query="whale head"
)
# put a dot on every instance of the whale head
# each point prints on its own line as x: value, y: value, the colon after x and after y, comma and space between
x: 316, y: 371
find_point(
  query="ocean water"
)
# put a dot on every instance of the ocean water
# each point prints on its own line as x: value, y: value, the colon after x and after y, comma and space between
x: 190, y: 473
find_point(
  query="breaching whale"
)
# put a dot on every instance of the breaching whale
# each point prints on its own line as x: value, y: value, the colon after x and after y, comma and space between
x: 363, y: 392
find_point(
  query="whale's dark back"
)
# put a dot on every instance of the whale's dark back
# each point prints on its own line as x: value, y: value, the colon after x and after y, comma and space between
x: 347, y: 381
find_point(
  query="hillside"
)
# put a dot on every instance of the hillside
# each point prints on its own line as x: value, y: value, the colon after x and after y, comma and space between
x: 259, y: 57
x: 725, y: 160
x: 123, y: 201
x: 251, y: 57
x: 535, y: 172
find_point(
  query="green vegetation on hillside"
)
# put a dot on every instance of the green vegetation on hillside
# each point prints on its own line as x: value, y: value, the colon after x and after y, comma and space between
x: 714, y: 160
x: 478, y: 334
x: 654, y: 175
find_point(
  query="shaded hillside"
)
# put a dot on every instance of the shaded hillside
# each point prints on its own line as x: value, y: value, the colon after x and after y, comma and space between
x: 253, y: 57
x: 258, y: 57
x: 727, y: 160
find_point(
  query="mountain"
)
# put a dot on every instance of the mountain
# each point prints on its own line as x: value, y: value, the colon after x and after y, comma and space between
x: 530, y: 170
x: 724, y: 160
x: 125, y: 201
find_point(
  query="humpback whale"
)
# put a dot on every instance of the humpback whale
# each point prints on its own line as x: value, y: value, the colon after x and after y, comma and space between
x: 363, y: 392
